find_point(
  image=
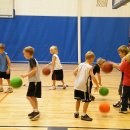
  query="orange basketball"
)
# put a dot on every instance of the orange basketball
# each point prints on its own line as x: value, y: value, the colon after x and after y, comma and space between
x: 104, y: 107
x: 46, y: 71
x: 107, y: 67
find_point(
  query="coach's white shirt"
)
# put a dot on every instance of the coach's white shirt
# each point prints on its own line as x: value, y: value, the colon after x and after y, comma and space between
x: 82, y: 77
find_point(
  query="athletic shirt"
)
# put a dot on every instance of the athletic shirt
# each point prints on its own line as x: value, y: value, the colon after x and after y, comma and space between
x: 3, y: 62
x: 58, y: 65
x: 82, y: 77
x: 33, y: 63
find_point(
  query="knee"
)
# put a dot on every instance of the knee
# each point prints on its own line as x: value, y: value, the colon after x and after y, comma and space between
x: 28, y: 97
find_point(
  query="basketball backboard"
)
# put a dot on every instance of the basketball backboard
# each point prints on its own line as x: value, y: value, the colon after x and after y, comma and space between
x: 118, y: 3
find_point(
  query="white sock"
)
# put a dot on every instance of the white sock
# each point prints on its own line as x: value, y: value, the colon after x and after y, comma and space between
x: 35, y: 110
x: 84, y: 114
x: 77, y: 112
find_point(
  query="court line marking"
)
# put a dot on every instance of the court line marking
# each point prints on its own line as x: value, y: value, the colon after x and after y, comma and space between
x: 64, y: 127
x: 4, y: 97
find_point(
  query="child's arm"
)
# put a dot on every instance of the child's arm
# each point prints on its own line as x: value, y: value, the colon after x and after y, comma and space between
x: 75, y: 71
x: 99, y: 79
x: 53, y: 63
x: 8, y: 64
x: 31, y: 73
x: 94, y: 79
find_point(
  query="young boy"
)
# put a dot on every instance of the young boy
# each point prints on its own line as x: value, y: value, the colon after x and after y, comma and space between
x: 96, y: 70
x: 57, y: 69
x: 81, y: 87
x: 122, y: 51
x: 34, y: 89
x: 5, y: 64
x: 125, y: 68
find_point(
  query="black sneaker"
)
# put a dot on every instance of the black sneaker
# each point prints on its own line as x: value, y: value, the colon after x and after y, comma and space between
x: 117, y: 105
x: 35, y: 116
x: 122, y: 111
x: 30, y: 114
x: 92, y: 97
x: 86, y: 118
x: 76, y: 115
x: 129, y: 106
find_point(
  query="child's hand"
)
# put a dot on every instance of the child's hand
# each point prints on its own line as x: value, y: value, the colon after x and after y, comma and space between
x: 8, y: 71
x: 23, y: 76
x: 96, y: 89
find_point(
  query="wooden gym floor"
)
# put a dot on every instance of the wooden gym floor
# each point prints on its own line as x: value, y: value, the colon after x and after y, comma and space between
x: 57, y: 107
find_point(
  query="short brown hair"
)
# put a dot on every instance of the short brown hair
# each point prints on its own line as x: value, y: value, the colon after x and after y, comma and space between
x: 2, y: 46
x: 89, y: 55
x: 124, y: 49
x: 100, y: 61
x: 29, y: 50
x: 127, y: 57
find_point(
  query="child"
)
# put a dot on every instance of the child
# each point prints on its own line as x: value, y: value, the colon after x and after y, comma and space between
x: 81, y: 87
x: 122, y: 51
x: 5, y: 64
x: 125, y: 68
x: 96, y: 70
x: 57, y: 69
x: 34, y: 89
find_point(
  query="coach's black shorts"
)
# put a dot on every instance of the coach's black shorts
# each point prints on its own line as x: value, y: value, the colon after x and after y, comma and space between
x: 57, y: 75
x: 80, y: 95
x: 34, y: 89
x: 4, y: 75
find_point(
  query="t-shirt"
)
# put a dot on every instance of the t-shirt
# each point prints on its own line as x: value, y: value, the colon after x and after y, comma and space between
x: 125, y: 68
x: 33, y: 63
x: 3, y: 62
x: 82, y: 77
x: 96, y: 69
x: 58, y: 65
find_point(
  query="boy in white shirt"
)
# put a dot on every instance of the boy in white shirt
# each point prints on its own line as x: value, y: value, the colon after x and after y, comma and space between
x: 57, y: 69
x: 81, y: 86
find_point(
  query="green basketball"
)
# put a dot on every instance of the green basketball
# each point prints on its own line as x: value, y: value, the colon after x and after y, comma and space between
x: 104, y: 91
x: 16, y: 82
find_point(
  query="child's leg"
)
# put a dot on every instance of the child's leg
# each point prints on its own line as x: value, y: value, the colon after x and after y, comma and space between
x: 8, y: 81
x: 125, y: 98
x: 63, y: 82
x: 33, y: 102
x: 85, y: 107
x: 77, y: 106
x: 1, y: 88
x: 54, y: 82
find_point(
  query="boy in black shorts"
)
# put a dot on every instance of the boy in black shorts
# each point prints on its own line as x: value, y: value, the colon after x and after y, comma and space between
x: 81, y: 87
x: 5, y: 64
x: 96, y: 70
x: 34, y: 89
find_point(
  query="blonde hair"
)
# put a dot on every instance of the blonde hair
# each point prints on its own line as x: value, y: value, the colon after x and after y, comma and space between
x: 29, y: 50
x: 127, y: 57
x: 124, y: 49
x: 100, y: 61
x: 2, y: 46
x: 89, y: 55
x: 54, y: 48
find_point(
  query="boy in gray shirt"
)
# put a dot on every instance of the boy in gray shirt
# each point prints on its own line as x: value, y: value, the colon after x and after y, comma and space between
x: 34, y: 89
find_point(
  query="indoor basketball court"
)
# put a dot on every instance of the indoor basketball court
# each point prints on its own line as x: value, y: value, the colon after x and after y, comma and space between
x: 59, y: 33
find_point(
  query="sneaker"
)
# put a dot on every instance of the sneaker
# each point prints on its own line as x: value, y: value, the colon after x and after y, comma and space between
x: 30, y: 114
x: 122, y: 111
x: 35, y: 116
x: 76, y: 115
x: 86, y: 118
x: 117, y: 105
x: 52, y: 88
x: 65, y: 86
x: 92, y: 97
x: 1, y: 89
x: 9, y: 90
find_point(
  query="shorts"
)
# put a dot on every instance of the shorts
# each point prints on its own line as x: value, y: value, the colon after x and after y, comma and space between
x: 80, y: 95
x: 57, y: 75
x: 4, y: 75
x: 34, y: 89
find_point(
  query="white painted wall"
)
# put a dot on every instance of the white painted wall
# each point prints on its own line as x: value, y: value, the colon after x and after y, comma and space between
x: 68, y: 8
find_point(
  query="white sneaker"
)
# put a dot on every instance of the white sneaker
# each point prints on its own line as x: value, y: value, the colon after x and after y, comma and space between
x: 1, y: 89
x: 52, y: 88
x: 65, y: 86
x: 9, y: 90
